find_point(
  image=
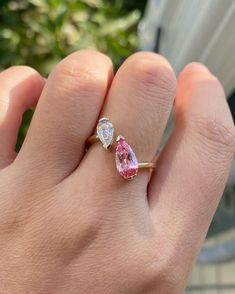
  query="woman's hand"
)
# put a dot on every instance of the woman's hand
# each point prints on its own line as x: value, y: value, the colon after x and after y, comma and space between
x: 68, y: 222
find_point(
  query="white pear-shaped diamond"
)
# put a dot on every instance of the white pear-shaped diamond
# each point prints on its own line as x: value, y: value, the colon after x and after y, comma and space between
x: 105, y: 132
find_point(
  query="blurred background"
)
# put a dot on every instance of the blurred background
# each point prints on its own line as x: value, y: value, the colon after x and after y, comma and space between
x: 39, y: 33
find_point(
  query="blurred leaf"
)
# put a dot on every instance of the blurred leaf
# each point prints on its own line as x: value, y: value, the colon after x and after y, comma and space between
x: 115, y: 26
x: 40, y: 33
x: 24, y: 128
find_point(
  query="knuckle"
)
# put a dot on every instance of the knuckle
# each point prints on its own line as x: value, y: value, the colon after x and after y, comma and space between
x: 84, y: 80
x: 89, y: 230
x: 215, y: 127
x: 153, y: 75
x: 21, y: 69
x: 202, y: 80
x: 193, y: 67
x: 24, y: 67
x: 163, y: 271
x: 83, y: 72
x: 219, y: 133
x: 87, y: 226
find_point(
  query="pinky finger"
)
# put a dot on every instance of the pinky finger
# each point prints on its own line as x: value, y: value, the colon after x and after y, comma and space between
x: 193, y: 167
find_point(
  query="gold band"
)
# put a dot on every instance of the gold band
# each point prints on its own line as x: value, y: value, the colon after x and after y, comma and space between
x: 147, y: 165
x: 94, y: 139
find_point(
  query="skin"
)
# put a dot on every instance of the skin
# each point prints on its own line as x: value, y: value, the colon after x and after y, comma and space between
x: 68, y: 222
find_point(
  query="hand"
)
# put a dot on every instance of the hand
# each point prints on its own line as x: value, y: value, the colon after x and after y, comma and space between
x: 68, y: 222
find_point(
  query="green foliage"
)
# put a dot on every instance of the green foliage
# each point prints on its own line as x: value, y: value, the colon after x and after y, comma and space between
x: 40, y: 33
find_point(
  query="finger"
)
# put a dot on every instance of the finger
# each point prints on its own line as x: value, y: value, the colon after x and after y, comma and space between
x: 193, y: 167
x: 66, y: 115
x: 138, y: 104
x: 20, y: 88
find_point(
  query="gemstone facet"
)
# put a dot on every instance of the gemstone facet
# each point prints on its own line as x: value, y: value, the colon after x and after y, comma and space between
x: 105, y: 132
x: 126, y: 161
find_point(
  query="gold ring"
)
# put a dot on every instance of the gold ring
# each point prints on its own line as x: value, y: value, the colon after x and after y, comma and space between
x: 126, y: 161
x: 92, y: 140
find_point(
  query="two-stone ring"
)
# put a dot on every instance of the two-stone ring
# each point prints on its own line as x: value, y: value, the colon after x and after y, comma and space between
x: 126, y: 160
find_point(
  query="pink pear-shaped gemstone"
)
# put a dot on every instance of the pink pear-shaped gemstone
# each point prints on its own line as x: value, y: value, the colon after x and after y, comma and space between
x: 126, y: 161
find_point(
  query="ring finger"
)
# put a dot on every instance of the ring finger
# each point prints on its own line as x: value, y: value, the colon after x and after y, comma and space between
x: 138, y: 104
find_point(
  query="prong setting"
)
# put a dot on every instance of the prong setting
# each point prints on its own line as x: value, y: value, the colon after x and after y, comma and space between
x: 126, y: 161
